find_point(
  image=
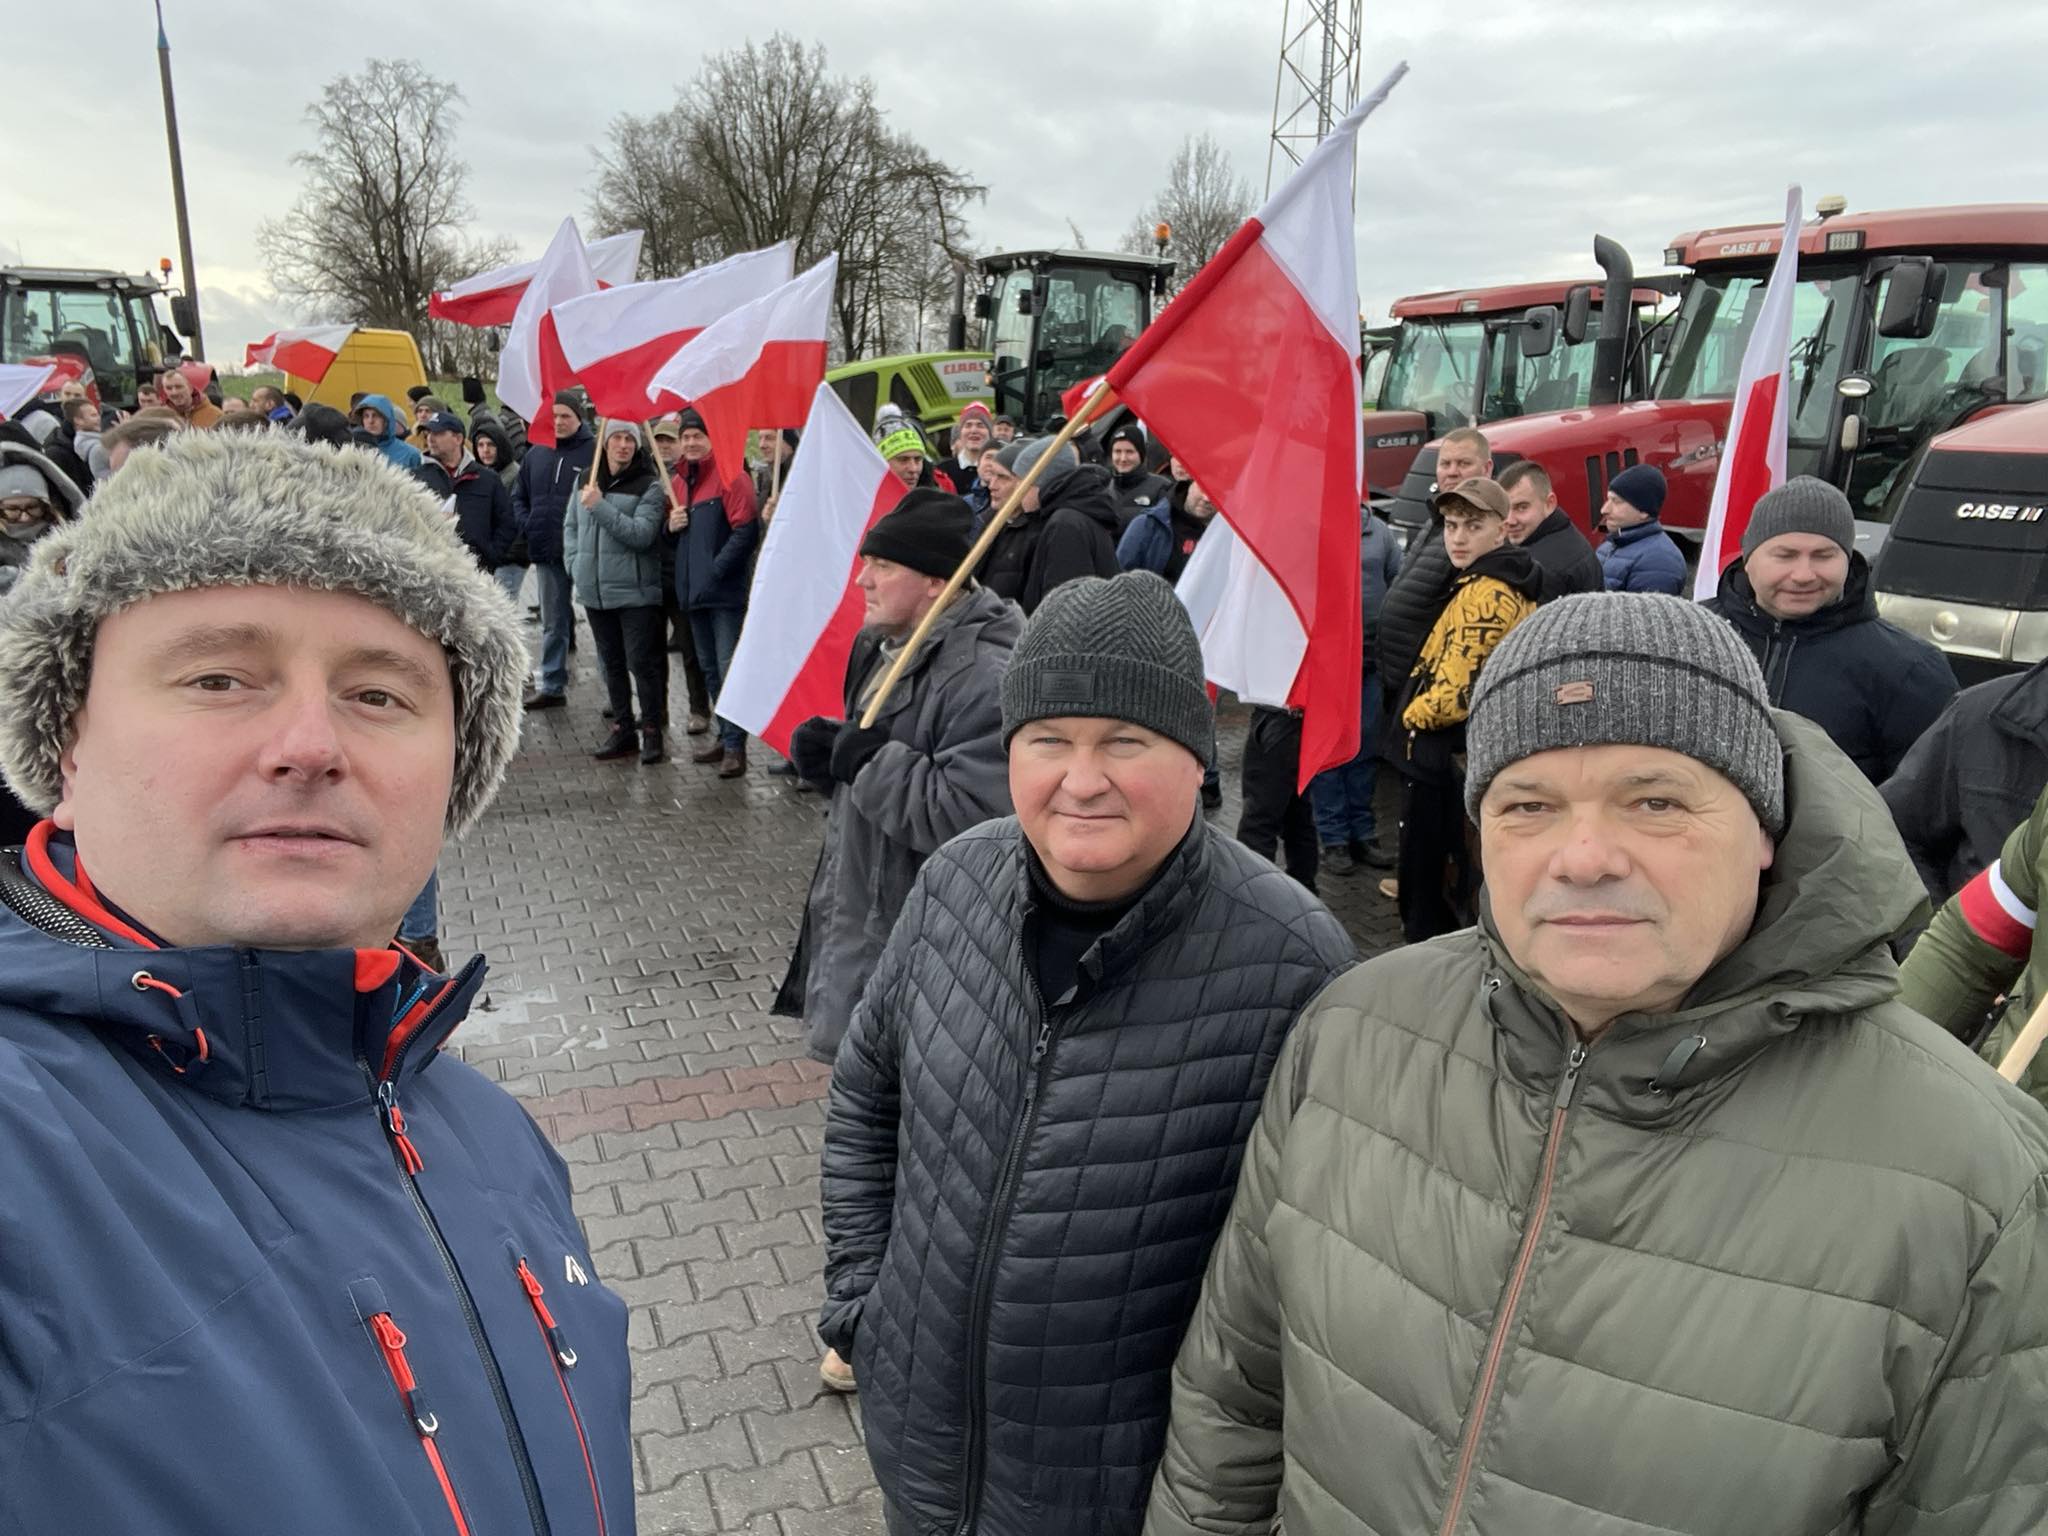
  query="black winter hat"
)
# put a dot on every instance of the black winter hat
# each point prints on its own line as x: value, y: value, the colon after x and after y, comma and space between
x: 928, y: 531
x: 571, y: 399
x: 1130, y: 432
x: 688, y: 417
x: 1642, y: 487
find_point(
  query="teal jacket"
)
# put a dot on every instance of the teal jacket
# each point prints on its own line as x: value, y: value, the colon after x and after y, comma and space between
x: 613, y: 549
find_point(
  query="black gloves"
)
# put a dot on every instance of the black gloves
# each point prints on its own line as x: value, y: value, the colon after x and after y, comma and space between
x: 473, y: 390
x: 810, y: 749
x: 853, y: 748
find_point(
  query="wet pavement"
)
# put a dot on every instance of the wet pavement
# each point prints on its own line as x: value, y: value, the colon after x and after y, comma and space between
x: 637, y: 922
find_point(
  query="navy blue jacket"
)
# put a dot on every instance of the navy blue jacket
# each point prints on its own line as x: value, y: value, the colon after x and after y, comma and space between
x: 1643, y: 559
x: 216, y: 1269
x: 1871, y: 686
x: 714, y: 556
x: 547, y: 479
x: 484, y: 518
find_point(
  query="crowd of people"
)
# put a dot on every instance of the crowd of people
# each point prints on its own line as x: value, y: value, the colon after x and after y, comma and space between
x: 1660, y: 1181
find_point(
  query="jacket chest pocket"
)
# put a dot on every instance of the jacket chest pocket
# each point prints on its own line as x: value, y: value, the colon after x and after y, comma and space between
x: 413, y: 1399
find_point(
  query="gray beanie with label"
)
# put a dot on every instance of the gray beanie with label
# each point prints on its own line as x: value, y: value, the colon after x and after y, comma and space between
x: 1116, y: 648
x: 1802, y: 504
x: 1627, y: 669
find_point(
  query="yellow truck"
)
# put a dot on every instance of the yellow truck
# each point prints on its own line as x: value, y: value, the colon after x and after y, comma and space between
x: 369, y: 363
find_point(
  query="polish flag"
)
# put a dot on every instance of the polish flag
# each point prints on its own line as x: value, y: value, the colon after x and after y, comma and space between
x: 1070, y: 402
x: 20, y: 384
x: 759, y: 366
x: 785, y: 672
x: 1753, y: 452
x: 306, y: 354
x: 1252, y: 375
x: 615, y: 340
x: 492, y: 298
x: 531, y: 366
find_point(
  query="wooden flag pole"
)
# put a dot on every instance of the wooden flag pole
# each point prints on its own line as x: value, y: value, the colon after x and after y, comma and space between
x: 974, y: 556
x: 598, y: 451
x: 2024, y: 1049
x: 668, y: 480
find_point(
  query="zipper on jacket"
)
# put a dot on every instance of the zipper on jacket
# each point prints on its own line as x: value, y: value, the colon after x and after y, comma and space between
x: 391, y: 1344
x: 564, y: 1359
x: 984, y: 1260
x: 1503, y: 1325
x: 409, y: 1164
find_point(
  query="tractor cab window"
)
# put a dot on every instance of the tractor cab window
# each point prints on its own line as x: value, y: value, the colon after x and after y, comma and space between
x: 87, y: 322
x: 1712, y: 329
x: 1924, y: 385
x: 1090, y: 318
x: 1010, y: 326
x: 2026, y: 331
x: 1435, y: 370
x: 1562, y: 380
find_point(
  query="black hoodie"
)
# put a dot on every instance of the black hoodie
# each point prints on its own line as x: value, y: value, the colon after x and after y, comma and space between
x: 1073, y: 533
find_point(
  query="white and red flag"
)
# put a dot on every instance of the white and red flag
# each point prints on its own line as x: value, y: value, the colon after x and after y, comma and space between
x: 759, y: 366
x: 531, y: 366
x: 785, y: 672
x: 616, y: 339
x: 1251, y: 374
x: 305, y: 354
x: 492, y: 298
x: 1753, y: 452
x: 20, y: 384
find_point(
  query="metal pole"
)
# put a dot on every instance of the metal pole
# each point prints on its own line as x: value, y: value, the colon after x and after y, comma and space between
x: 163, y: 65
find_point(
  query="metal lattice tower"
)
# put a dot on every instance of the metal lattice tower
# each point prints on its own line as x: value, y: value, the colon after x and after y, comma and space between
x: 1318, y: 79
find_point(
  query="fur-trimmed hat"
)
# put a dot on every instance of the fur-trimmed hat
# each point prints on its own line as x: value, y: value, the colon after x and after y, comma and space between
x: 244, y: 509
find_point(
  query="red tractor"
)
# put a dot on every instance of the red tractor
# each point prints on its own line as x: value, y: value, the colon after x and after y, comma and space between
x: 1469, y: 355
x: 1904, y: 324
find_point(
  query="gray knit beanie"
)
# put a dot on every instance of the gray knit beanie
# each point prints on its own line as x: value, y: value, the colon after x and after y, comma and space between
x: 245, y: 509
x: 1114, y: 648
x: 1801, y: 505
x: 1627, y: 668
x: 1065, y: 461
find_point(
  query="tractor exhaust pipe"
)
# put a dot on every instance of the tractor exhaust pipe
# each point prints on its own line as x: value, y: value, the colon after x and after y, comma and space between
x: 1610, y: 345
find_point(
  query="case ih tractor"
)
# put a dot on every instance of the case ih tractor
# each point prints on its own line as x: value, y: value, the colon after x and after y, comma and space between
x: 1905, y: 324
x: 1485, y: 354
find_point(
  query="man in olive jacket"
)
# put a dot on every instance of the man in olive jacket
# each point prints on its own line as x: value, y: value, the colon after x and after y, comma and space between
x: 1038, y: 1112
x: 1645, y: 1205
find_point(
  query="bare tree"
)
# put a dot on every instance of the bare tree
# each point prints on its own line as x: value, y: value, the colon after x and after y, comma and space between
x: 1205, y: 201
x: 766, y: 145
x: 379, y: 224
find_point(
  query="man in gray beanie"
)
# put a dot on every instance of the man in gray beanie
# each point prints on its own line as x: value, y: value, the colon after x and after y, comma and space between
x: 1065, y: 528
x: 1800, y: 598
x: 1038, y: 1111
x: 1652, y: 1160
x: 254, y: 1210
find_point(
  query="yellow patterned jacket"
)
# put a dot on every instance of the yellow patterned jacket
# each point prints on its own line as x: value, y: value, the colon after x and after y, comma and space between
x: 1483, y: 607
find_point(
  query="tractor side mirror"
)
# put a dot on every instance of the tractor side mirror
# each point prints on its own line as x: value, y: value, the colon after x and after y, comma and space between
x: 184, y: 314
x: 981, y: 306
x: 1912, y: 298
x: 1538, y: 329
x: 1578, y: 315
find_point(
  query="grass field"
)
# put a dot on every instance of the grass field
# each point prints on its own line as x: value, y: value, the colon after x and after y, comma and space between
x: 449, y: 390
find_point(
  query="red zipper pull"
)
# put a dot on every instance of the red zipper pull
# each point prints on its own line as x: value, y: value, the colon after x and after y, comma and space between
x: 394, y: 1123
x: 556, y: 1341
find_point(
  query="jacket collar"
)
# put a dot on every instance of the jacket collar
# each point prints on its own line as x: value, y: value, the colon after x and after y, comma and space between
x: 1162, y: 907
x: 1629, y: 535
x: 264, y: 1029
x: 1838, y: 890
x: 2023, y: 712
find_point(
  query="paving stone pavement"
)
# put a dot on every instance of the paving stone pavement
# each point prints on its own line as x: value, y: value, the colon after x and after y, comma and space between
x: 637, y: 922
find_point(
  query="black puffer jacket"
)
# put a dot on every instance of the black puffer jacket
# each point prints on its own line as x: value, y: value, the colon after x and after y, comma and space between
x: 1073, y: 533
x: 1417, y: 596
x: 1567, y: 561
x: 1976, y: 774
x: 1871, y: 686
x: 1020, y: 1199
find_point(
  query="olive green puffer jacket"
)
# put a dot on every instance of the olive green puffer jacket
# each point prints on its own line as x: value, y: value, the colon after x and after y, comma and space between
x: 1479, y: 1279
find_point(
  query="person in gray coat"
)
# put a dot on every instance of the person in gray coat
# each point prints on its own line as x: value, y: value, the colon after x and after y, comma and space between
x: 611, y: 547
x: 931, y: 766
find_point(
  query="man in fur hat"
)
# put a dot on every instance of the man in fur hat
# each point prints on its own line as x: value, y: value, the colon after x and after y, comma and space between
x: 271, y: 1260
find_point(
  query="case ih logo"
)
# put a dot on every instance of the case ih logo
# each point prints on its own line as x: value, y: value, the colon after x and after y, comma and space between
x: 2001, y: 512
x: 1395, y: 440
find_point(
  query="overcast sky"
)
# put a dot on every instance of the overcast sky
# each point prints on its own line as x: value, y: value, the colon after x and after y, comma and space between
x: 1522, y: 129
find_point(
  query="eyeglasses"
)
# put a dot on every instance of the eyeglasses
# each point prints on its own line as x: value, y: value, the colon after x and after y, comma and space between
x: 23, y: 511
